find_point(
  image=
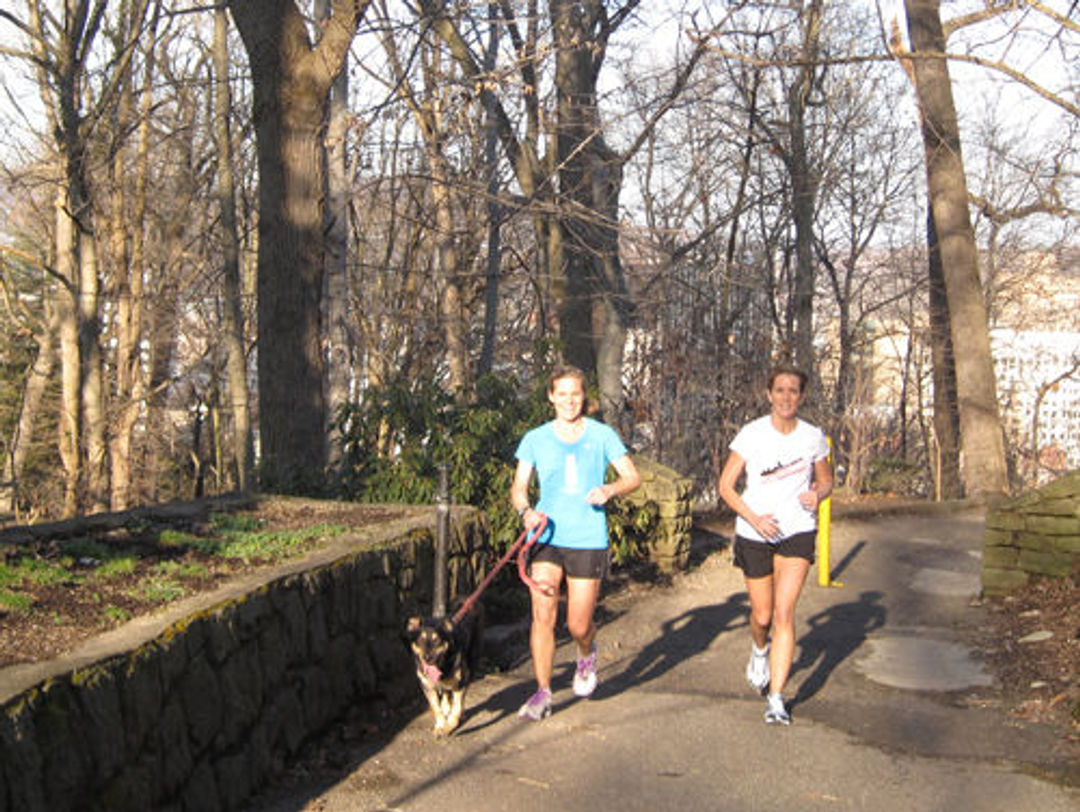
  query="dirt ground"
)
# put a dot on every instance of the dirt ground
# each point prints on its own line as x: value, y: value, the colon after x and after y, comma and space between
x: 1039, y: 682
x: 1036, y: 682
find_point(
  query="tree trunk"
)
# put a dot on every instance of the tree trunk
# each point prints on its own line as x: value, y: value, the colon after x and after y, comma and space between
x: 804, y: 190
x: 595, y: 310
x: 494, y: 210
x: 336, y: 309
x: 33, y: 393
x: 129, y: 259
x: 291, y: 81
x: 447, y: 256
x: 233, y: 312
x: 451, y: 307
x: 946, y: 417
x: 982, y: 444
x: 70, y: 428
x: 93, y: 369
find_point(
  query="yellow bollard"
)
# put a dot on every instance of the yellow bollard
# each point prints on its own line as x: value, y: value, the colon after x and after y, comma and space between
x: 824, y: 535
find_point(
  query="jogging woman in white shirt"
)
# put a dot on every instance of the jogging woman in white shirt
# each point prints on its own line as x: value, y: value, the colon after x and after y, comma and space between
x: 788, y: 474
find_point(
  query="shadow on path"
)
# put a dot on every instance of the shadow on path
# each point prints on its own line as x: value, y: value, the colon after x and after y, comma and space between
x: 680, y: 639
x: 845, y: 562
x: 834, y: 634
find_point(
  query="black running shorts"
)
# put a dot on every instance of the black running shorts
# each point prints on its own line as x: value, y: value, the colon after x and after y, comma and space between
x: 755, y: 558
x: 575, y: 563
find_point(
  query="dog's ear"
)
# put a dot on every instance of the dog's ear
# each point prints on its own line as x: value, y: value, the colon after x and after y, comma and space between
x: 412, y: 626
x: 447, y: 626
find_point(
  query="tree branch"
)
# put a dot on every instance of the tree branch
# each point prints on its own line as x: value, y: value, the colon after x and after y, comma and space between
x: 1001, y: 67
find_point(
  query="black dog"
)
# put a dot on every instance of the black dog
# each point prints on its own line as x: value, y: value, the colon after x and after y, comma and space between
x: 446, y: 656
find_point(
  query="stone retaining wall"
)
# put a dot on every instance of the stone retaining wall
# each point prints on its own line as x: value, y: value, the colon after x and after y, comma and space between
x: 198, y: 715
x: 669, y: 545
x: 1034, y: 534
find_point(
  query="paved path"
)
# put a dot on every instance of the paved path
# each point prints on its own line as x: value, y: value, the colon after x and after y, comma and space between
x: 888, y: 705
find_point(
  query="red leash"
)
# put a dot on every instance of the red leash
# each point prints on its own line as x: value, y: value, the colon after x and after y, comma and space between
x: 521, y: 547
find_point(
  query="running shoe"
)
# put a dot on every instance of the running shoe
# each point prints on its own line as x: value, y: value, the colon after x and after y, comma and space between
x: 775, y: 712
x: 757, y: 670
x: 538, y: 707
x: 585, y: 674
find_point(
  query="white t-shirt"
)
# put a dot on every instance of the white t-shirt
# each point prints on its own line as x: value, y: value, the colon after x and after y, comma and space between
x: 778, y: 468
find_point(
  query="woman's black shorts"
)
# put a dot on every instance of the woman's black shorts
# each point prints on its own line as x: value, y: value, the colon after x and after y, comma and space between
x: 755, y: 558
x: 575, y: 563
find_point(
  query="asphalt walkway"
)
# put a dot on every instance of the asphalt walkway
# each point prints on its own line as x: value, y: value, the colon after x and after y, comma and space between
x: 886, y: 698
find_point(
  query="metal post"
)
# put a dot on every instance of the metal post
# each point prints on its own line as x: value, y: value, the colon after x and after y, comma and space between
x: 824, y: 536
x: 442, y: 541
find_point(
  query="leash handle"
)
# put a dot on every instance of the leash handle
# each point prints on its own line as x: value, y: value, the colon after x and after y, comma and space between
x: 523, y: 568
x: 524, y: 541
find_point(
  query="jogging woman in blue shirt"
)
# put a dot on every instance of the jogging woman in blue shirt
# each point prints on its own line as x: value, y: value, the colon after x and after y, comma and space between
x: 570, y: 455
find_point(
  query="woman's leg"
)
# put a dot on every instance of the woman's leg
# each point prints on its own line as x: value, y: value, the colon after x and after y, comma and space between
x: 789, y: 575
x: 581, y: 597
x: 545, y: 611
x: 760, y: 591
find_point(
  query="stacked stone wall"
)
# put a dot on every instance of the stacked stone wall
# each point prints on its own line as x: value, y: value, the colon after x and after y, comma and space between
x: 668, y: 547
x: 1034, y: 534
x: 199, y: 716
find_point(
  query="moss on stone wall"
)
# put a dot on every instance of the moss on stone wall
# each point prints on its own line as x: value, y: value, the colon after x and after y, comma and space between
x: 1037, y: 533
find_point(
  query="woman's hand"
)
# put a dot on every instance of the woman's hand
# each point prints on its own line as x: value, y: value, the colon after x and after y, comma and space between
x: 531, y: 519
x: 809, y: 500
x: 765, y: 524
x: 598, y: 496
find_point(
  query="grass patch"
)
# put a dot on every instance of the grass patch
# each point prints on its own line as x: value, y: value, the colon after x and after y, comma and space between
x: 156, y: 567
x: 230, y: 523
x: 116, y: 614
x: 43, y: 573
x: 14, y: 601
x: 179, y: 539
x: 161, y: 590
x: 273, y: 545
x: 178, y: 569
x: 115, y: 567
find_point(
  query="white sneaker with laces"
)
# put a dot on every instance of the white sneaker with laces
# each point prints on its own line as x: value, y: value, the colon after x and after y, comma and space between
x: 775, y: 712
x: 757, y: 670
x: 585, y: 674
x: 537, y: 707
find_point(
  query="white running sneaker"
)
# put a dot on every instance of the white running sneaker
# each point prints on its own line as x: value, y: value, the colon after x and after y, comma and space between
x: 775, y: 712
x: 757, y: 670
x: 585, y: 674
x: 537, y: 707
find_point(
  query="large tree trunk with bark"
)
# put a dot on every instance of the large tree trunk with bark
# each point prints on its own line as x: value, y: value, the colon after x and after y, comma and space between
x: 982, y: 444
x: 291, y: 80
x: 595, y: 308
